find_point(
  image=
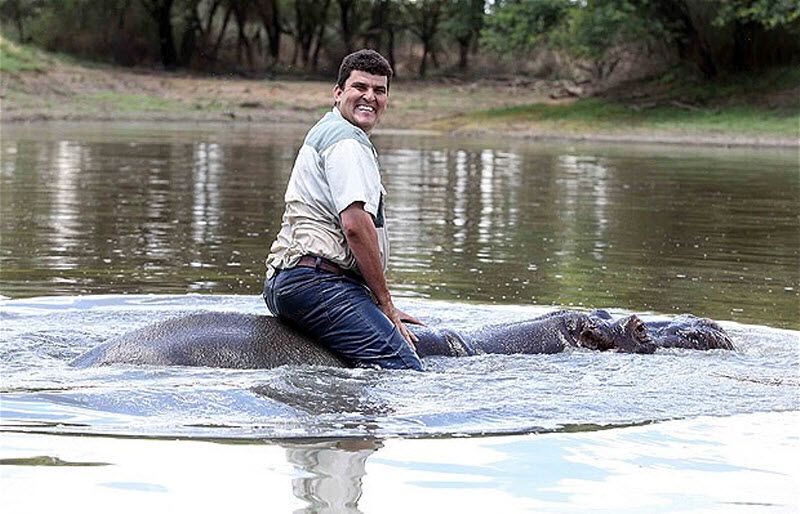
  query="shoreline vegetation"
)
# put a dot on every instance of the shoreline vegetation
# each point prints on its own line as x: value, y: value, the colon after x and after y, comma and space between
x: 762, y: 110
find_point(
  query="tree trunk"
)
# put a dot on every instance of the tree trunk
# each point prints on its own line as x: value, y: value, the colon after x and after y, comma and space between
x: 169, y: 56
x: 305, y: 30
x: 221, y: 34
x: 426, y: 16
x: 373, y: 37
x: 270, y: 17
x: 242, y: 41
x: 20, y: 28
x: 463, y: 53
x: 188, y: 41
x: 320, y: 35
x: 161, y: 11
x: 691, y: 44
x: 390, y: 51
x: 743, y: 42
x: 346, y: 23
x: 423, y: 64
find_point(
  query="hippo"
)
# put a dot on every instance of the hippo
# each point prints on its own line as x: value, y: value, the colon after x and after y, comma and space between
x: 247, y: 341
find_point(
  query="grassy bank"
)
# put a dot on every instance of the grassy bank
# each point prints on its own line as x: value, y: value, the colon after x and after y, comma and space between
x: 763, y: 109
x: 765, y: 106
x: 597, y: 114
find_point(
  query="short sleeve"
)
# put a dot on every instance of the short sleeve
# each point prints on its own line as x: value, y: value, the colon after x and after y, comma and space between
x: 352, y: 174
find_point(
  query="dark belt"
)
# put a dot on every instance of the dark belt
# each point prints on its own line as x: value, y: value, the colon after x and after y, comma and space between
x: 321, y: 263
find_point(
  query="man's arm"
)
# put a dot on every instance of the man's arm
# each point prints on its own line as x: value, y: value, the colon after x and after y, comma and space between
x: 362, y: 238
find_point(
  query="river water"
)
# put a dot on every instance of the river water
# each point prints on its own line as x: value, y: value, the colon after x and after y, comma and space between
x: 106, y: 228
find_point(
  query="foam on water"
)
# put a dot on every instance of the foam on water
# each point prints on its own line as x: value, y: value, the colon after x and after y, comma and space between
x: 489, y: 394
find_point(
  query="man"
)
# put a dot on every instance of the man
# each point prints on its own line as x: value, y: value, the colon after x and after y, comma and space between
x: 326, y: 268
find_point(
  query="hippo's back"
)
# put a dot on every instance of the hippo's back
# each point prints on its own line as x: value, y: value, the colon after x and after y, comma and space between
x: 212, y: 339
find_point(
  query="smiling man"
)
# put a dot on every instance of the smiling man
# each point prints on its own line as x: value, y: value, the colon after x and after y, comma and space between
x: 326, y: 268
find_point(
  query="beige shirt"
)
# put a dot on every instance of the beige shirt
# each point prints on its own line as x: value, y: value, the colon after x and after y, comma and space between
x: 336, y: 166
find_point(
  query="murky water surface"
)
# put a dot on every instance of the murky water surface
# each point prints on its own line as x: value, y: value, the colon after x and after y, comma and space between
x: 146, y: 209
x: 92, y: 217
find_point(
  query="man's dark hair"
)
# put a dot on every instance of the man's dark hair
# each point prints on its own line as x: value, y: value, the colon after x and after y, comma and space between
x: 368, y: 61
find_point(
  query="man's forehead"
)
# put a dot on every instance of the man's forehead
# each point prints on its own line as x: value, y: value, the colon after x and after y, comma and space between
x: 368, y: 78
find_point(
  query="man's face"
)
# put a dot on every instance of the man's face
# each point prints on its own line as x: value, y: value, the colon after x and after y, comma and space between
x: 363, y: 99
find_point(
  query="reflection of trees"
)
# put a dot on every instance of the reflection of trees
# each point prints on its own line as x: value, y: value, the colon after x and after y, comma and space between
x: 592, y: 226
x: 106, y: 215
x: 642, y: 228
x: 581, y: 190
x: 333, y: 473
x: 40, y: 229
x: 207, y: 167
x: 454, y: 209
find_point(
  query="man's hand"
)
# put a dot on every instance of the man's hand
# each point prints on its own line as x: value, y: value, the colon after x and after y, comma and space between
x: 408, y: 318
x: 400, y: 318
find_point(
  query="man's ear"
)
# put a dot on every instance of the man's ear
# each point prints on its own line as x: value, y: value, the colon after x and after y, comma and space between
x: 337, y: 93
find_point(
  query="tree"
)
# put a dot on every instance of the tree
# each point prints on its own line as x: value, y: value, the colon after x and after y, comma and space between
x: 424, y: 20
x: 19, y: 11
x: 161, y: 12
x: 352, y: 15
x: 721, y: 35
x: 599, y: 35
x: 522, y: 25
x: 310, y: 17
x: 386, y: 20
x: 464, y: 22
x: 753, y: 22
x: 769, y: 14
x: 269, y: 12
x: 242, y: 11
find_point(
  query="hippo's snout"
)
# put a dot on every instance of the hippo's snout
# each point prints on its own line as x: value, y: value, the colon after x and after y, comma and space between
x: 632, y: 336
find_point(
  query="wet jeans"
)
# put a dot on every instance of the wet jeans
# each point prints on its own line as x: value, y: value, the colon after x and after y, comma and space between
x: 340, y: 313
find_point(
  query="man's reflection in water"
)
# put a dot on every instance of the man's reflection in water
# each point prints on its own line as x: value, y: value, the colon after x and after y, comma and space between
x: 335, y: 469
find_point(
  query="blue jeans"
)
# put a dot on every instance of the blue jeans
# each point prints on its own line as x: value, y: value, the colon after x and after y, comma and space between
x: 340, y: 314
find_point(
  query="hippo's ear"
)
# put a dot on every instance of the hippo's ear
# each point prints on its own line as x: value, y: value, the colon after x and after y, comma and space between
x: 601, y: 313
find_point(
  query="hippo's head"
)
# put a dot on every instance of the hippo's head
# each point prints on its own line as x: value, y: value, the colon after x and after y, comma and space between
x: 627, y: 335
x: 688, y: 331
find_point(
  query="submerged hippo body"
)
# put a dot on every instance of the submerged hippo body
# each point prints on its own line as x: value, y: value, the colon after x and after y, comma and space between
x: 246, y: 341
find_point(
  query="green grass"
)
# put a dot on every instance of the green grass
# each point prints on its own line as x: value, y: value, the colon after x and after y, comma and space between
x: 601, y: 114
x: 15, y: 58
x: 765, y: 103
x: 742, y: 87
x: 125, y: 102
x: 736, y: 119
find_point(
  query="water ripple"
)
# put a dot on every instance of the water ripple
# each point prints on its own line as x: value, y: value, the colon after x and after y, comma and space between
x: 488, y: 394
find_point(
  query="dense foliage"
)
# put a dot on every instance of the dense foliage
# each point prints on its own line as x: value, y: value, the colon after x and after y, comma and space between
x: 713, y: 36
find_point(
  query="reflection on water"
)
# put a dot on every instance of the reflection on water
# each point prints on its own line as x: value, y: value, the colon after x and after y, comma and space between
x: 123, y: 209
x: 740, y: 463
x: 334, y: 472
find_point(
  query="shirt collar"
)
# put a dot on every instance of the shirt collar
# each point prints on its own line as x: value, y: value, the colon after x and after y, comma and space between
x: 336, y: 112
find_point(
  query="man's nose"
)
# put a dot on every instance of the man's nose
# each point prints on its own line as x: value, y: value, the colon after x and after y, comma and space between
x: 369, y: 94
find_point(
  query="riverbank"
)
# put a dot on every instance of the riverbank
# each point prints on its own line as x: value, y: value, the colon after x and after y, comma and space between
x: 763, y: 111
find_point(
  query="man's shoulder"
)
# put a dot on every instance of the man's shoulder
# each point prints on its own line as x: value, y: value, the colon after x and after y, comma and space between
x: 332, y: 129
